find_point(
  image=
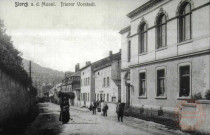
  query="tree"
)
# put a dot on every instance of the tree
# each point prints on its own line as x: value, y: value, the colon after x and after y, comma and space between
x: 10, y: 59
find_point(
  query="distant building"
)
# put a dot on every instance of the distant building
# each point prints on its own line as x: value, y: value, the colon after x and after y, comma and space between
x: 53, y: 93
x: 71, y: 83
x: 74, y: 81
x: 107, y: 78
x: 66, y: 86
x: 101, y: 80
x: 87, y: 85
x: 45, y: 88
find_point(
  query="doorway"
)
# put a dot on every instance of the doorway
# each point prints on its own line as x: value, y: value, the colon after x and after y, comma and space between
x: 128, y: 95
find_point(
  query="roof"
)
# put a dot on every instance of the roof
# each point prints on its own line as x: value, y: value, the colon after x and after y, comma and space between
x: 68, y: 73
x: 143, y: 7
x: 106, y: 61
x: 85, y: 67
x: 126, y: 29
x: 102, y: 66
x: 76, y: 74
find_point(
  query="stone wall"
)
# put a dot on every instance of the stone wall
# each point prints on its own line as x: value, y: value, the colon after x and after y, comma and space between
x: 195, y: 117
x: 14, y: 99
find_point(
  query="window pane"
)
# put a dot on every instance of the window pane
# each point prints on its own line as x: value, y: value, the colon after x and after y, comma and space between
x: 184, y: 81
x: 163, y: 35
x: 181, y: 29
x: 145, y: 42
x: 160, y: 82
x: 163, y: 19
x: 159, y: 35
x: 144, y: 28
x: 187, y: 8
x: 187, y: 27
x: 142, y: 84
x: 185, y: 23
x: 107, y: 81
x: 143, y: 87
x: 143, y: 38
x: 161, y: 31
x: 142, y: 42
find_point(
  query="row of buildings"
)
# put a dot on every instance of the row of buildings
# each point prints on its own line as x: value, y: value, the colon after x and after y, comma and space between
x: 98, y: 81
x: 164, y: 58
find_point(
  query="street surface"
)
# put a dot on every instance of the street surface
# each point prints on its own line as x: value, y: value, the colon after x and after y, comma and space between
x: 84, y: 123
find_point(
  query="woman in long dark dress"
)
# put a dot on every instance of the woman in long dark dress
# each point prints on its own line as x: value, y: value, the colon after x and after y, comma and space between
x: 64, y: 105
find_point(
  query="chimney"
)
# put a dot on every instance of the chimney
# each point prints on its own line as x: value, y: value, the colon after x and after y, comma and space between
x: 120, y: 50
x: 110, y: 55
x: 88, y: 63
x: 77, y: 68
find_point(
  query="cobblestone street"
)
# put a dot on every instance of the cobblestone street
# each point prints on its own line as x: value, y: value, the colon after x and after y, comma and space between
x: 47, y: 123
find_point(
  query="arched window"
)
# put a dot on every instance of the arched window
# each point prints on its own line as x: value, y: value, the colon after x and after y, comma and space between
x: 143, y: 38
x: 161, y: 31
x: 185, y: 22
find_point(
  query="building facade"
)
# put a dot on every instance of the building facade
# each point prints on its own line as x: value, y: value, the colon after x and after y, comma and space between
x: 87, y: 85
x: 107, y: 78
x: 165, y: 53
x: 75, y: 85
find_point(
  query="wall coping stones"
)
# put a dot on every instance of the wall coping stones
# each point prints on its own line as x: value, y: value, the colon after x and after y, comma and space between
x: 203, y: 102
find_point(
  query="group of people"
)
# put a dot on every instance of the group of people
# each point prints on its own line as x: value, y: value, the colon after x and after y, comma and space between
x: 96, y: 104
x: 119, y: 109
x: 64, y: 104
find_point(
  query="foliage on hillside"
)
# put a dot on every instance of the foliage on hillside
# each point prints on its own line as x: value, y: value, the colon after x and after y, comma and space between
x: 42, y: 74
x: 10, y: 59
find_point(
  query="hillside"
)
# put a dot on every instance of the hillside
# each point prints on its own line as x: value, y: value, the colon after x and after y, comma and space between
x: 42, y: 75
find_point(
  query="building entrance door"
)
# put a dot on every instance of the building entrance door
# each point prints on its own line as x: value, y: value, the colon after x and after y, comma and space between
x: 84, y: 98
x: 101, y: 97
x: 128, y: 95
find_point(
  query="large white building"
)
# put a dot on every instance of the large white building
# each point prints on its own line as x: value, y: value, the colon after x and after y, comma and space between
x: 165, y: 53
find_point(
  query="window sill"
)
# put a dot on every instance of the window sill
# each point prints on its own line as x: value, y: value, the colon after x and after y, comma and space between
x: 185, y: 42
x: 142, y: 97
x: 162, y: 48
x: 161, y: 97
x: 144, y: 53
x: 184, y: 98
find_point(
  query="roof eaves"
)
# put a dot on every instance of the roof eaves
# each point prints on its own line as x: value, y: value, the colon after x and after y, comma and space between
x: 102, y: 67
x: 143, y: 7
x: 85, y: 67
x: 124, y: 30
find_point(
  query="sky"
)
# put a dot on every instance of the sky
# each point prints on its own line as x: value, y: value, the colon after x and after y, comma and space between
x: 60, y: 37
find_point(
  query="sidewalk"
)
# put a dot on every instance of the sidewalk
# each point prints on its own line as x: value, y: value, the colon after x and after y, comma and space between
x: 143, y: 125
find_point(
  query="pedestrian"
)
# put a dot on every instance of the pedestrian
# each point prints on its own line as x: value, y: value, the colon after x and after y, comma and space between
x: 64, y: 105
x: 91, y: 106
x: 105, y: 108
x: 120, y: 110
x: 94, y: 107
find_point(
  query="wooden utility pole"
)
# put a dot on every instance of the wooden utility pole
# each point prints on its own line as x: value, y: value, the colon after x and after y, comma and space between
x: 30, y: 83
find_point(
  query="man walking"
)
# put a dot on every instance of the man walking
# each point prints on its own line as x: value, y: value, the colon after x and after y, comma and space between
x: 120, y: 110
x: 105, y: 108
x: 94, y: 107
